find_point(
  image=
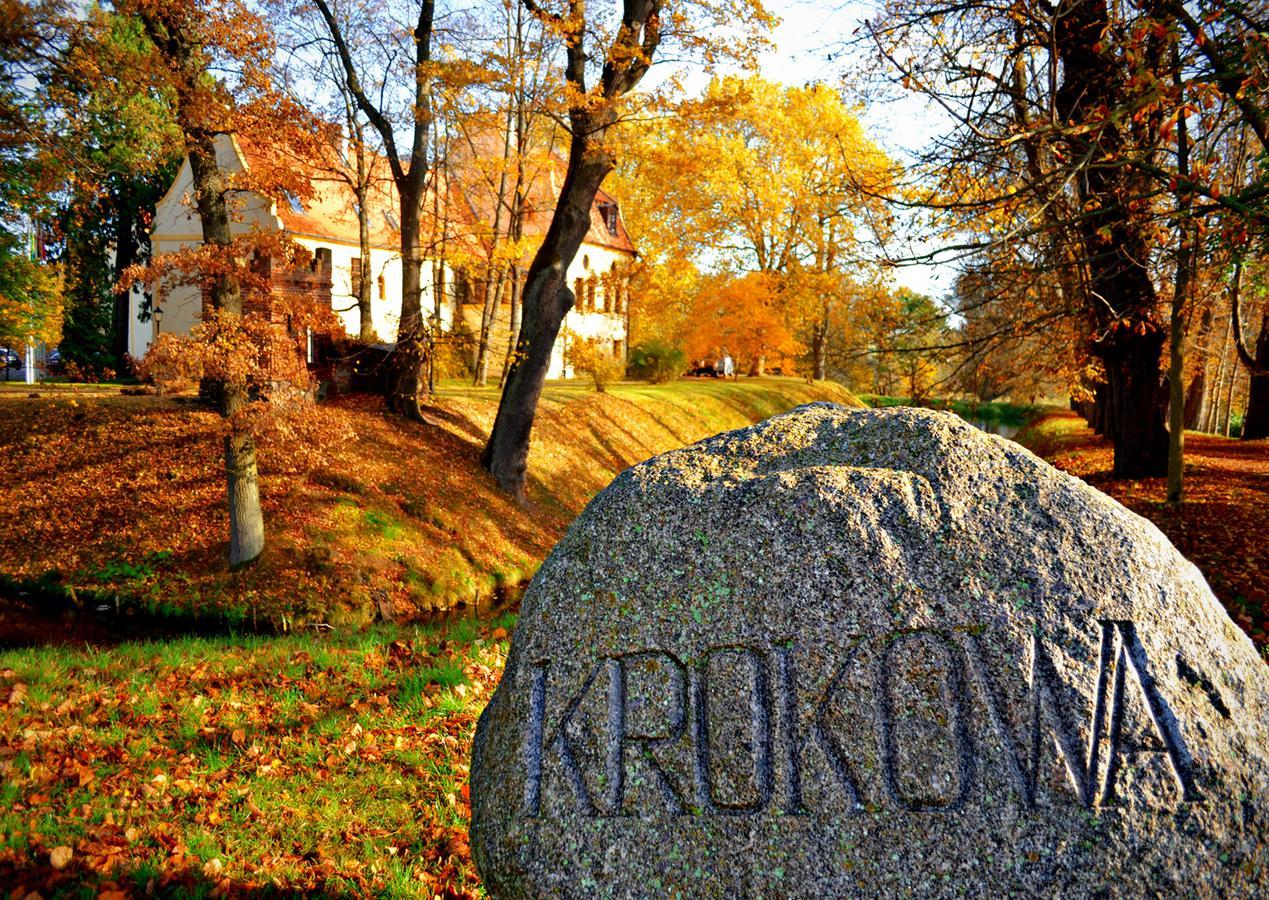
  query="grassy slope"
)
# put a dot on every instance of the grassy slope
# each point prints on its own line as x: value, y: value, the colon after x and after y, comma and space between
x: 124, y: 494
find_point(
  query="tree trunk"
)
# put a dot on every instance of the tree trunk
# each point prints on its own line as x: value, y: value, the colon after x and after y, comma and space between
x: 1195, y: 394
x: 819, y: 355
x: 125, y: 255
x: 547, y: 300
x: 246, y: 519
x: 1256, y: 420
x: 1120, y: 294
x: 1227, y: 413
x: 366, y: 330
x: 513, y: 325
x: 405, y: 386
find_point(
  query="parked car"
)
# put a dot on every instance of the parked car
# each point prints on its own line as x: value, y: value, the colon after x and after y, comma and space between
x: 12, y: 358
x: 53, y: 360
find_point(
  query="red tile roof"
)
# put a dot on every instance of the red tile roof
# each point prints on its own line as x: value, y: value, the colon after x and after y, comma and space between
x: 330, y: 212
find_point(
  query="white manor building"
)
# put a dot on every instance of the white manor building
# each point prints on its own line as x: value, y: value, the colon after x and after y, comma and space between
x: 326, y: 225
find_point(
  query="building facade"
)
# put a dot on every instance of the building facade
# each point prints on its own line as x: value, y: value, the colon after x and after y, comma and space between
x: 326, y: 225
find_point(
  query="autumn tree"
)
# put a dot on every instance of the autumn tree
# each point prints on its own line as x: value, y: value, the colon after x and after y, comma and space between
x: 397, y: 90
x: 604, y: 61
x: 781, y: 180
x: 743, y: 317
x: 1073, y: 137
x: 236, y: 349
x: 111, y: 151
x: 31, y: 297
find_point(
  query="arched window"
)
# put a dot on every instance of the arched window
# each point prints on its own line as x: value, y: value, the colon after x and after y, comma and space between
x: 383, y: 288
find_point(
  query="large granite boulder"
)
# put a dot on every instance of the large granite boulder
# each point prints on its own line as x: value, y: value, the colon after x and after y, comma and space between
x: 856, y: 652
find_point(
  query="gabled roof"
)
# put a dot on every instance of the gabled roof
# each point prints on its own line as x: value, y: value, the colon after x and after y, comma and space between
x: 331, y: 212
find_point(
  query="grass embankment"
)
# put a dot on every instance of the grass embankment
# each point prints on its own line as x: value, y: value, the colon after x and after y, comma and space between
x: 1222, y: 526
x: 124, y: 495
x: 335, y: 763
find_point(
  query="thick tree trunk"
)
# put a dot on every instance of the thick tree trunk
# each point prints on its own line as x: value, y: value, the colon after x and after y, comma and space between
x: 1256, y: 420
x: 1120, y: 294
x: 246, y: 521
x: 1135, y: 423
x: 547, y: 300
x: 1194, y: 397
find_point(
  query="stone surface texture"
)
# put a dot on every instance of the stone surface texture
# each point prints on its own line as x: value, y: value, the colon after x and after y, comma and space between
x: 870, y: 652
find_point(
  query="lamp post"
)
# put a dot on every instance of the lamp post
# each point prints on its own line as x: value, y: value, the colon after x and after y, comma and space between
x: 158, y: 320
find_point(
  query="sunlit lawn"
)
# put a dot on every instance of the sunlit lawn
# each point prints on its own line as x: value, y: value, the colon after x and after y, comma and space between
x: 311, y: 762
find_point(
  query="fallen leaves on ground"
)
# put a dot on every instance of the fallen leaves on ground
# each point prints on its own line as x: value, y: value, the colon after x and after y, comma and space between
x: 229, y: 766
x: 125, y: 496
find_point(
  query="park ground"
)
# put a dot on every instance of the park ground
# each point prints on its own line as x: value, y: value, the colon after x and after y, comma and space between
x: 336, y: 760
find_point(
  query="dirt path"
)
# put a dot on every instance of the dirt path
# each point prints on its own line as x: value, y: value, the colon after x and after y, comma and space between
x: 1223, y: 525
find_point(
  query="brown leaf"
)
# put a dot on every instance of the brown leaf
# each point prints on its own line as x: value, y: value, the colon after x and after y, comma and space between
x: 60, y: 857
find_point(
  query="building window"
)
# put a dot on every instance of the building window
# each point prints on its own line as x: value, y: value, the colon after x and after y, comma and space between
x: 308, y: 344
x: 579, y: 294
x: 321, y: 259
x: 609, y: 213
x: 383, y: 288
x: 590, y: 292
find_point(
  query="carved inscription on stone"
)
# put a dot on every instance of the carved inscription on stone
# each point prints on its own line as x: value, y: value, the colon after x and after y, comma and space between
x: 739, y: 730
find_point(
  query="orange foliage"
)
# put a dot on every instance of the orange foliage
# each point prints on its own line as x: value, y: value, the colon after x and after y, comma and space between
x: 742, y: 317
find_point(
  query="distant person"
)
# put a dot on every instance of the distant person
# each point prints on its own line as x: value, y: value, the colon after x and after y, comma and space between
x: 729, y: 367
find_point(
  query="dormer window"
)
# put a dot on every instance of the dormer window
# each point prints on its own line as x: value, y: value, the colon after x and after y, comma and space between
x: 609, y: 211
x: 294, y: 202
x: 391, y: 219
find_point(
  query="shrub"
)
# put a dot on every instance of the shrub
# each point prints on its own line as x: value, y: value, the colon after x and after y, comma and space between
x: 657, y: 361
x: 593, y: 358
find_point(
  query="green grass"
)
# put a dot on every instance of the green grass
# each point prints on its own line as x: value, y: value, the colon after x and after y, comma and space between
x: 292, y: 762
